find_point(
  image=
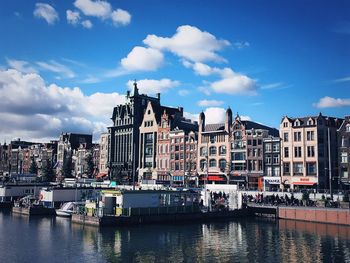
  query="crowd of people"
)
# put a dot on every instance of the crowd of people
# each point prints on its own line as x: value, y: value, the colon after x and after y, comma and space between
x: 276, y: 200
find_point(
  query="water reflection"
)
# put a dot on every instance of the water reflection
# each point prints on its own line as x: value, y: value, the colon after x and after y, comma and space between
x: 57, y: 239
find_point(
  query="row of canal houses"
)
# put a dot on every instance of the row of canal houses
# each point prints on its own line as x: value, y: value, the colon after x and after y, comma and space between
x: 151, y: 143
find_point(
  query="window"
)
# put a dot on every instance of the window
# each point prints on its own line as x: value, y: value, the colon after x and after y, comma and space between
x: 259, y: 142
x: 254, y: 142
x: 202, y: 164
x: 285, y: 124
x: 344, y: 174
x: 276, y: 171
x: 348, y: 128
x: 298, y: 168
x: 222, y: 164
x: 297, y: 151
x: 255, y: 152
x: 310, y: 151
x: 297, y: 136
x: 238, y: 156
x: 203, y: 151
x: 222, y: 150
x: 269, y: 171
x: 249, y: 142
x: 238, y: 167
x: 286, y: 152
x: 344, y: 157
x: 268, y: 159
x: 212, y: 163
x: 285, y: 137
x: 212, y: 150
x: 276, y: 147
x: 267, y: 147
x: 310, y: 135
x: 276, y: 160
x: 286, y: 168
x: 238, y: 135
x: 311, y: 168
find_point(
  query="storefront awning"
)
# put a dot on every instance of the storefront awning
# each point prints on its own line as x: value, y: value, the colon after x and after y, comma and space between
x: 304, y: 183
x: 215, y: 178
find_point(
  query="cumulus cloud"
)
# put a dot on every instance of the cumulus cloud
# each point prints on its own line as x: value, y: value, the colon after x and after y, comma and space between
x: 329, y: 102
x: 142, y: 59
x: 231, y: 82
x: 212, y: 115
x: 44, y: 111
x: 190, y: 43
x: 100, y: 9
x: 103, y: 10
x: 206, y: 103
x: 46, y: 12
x: 73, y: 17
x: 86, y: 24
x: 121, y: 17
x: 153, y: 86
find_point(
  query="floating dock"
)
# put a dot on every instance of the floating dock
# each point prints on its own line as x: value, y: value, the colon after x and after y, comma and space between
x: 34, y: 210
x: 151, y: 219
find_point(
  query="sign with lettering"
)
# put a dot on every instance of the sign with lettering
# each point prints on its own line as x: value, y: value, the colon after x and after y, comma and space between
x: 272, y: 180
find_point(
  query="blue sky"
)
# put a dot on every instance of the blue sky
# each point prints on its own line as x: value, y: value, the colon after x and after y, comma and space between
x: 76, y: 58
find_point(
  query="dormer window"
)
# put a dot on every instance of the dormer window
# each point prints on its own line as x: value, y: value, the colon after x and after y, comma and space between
x: 348, y: 128
x: 297, y: 123
x: 310, y: 122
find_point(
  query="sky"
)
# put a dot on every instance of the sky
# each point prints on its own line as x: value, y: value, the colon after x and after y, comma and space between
x: 65, y: 64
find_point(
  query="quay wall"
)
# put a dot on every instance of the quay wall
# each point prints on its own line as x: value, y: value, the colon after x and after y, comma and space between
x: 314, y: 214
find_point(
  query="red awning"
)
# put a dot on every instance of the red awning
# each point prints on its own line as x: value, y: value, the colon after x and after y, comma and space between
x: 304, y: 183
x: 100, y: 175
x: 215, y: 178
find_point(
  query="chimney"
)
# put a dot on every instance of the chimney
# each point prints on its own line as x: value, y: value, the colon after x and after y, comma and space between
x: 158, y: 96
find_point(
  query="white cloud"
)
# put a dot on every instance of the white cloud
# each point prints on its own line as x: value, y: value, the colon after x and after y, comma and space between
x: 241, y: 44
x: 206, y: 103
x: 86, y: 24
x: 329, y: 102
x: 21, y: 65
x: 345, y: 79
x: 142, y: 59
x: 56, y: 67
x: 204, y: 90
x: 103, y: 10
x: 190, y: 43
x: 100, y: 9
x: 121, y: 17
x: 245, y: 118
x: 231, y: 82
x: 212, y: 115
x: 46, y: 111
x: 46, y: 12
x: 73, y: 17
x: 152, y: 86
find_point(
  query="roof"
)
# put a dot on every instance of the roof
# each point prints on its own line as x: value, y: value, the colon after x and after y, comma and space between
x: 254, y: 125
x: 214, y: 127
x: 334, y: 122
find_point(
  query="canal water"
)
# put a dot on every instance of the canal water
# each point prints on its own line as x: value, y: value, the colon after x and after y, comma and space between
x: 24, y: 239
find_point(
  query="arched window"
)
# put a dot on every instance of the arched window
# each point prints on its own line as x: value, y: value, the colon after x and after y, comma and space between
x: 212, y: 163
x: 222, y: 150
x: 212, y: 150
x: 202, y: 164
x: 222, y: 164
